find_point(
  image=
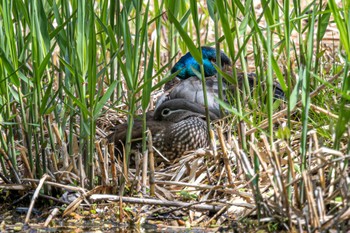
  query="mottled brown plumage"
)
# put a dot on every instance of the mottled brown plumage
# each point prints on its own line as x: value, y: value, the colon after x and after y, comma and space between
x: 177, y: 126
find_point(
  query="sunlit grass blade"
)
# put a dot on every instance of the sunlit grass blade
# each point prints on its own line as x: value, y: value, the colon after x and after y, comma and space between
x: 189, y: 42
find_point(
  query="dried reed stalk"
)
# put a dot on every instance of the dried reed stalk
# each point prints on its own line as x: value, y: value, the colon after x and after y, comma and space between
x: 225, y: 156
x: 35, y: 196
x: 319, y: 161
x: 313, y: 214
x: 113, y: 167
x: 53, y: 213
x: 151, y: 164
x: 25, y: 161
x: 144, y: 201
x: 104, y: 172
x: 9, y: 163
x: 144, y: 172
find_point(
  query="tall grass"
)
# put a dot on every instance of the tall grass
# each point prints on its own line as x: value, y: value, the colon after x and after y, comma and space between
x: 342, y: 20
x: 64, y: 63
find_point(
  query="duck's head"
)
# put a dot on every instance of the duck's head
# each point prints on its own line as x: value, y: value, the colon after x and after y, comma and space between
x: 209, y: 57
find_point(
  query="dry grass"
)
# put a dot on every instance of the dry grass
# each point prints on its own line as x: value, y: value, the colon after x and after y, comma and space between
x: 259, y: 187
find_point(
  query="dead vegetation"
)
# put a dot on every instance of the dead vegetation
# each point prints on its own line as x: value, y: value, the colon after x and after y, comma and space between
x: 227, y: 187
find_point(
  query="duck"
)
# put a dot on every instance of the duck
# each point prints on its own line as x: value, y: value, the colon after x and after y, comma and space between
x: 186, y: 85
x: 177, y: 126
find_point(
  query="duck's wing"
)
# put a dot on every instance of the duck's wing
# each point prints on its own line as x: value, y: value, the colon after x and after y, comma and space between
x: 191, y: 89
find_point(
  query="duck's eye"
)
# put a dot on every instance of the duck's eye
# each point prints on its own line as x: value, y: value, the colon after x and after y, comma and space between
x: 165, y: 112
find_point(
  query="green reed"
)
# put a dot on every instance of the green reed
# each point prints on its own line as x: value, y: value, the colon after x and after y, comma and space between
x: 62, y: 62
